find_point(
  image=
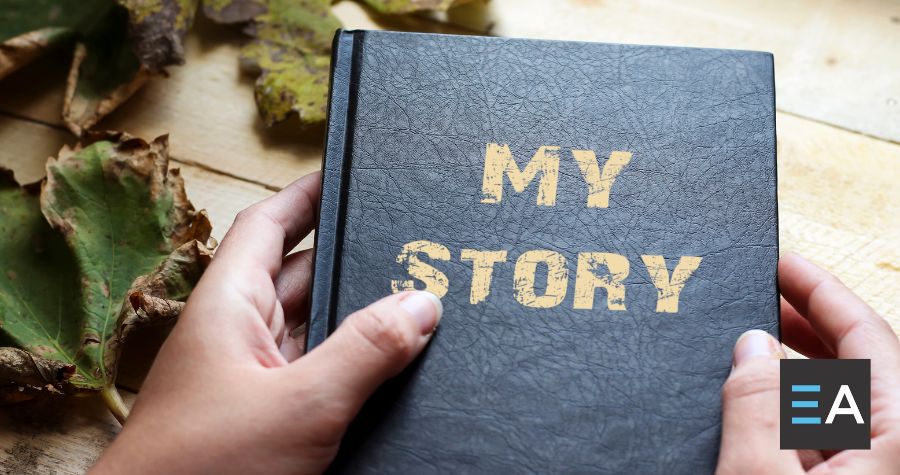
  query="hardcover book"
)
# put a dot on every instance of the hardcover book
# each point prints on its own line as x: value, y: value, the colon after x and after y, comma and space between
x: 599, y: 221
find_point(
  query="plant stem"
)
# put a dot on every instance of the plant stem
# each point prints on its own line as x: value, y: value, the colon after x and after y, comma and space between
x: 115, y: 403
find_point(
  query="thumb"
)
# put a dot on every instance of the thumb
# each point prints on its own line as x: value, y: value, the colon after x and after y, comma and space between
x: 750, y: 410
x: 370, y: 346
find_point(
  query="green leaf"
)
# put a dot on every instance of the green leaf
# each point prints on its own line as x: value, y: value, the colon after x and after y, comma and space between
x: 39, y: 282
x: 291, y: 50
x: 111, y: 243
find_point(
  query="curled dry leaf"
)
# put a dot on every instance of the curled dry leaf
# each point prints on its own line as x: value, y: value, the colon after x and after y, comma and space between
x: 109, y: 243
x: 118, y: 46
x: 86, y: 102
x: 121, y: 53
x: 24, y: 375
x: 20, y: 50
x: 408, y: 6
x: 157, y: 30
x: 158, y: 297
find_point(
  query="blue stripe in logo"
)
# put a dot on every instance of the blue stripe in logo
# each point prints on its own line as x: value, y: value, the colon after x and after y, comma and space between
x: 804, y: 403
x: 805, y: 388
x: 806, y: 420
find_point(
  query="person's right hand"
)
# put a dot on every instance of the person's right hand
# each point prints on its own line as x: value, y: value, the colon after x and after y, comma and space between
x: 820, y: 318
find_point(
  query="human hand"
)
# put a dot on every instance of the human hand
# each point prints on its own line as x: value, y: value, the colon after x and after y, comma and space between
x: 820, y: 318
x: 225, y: 394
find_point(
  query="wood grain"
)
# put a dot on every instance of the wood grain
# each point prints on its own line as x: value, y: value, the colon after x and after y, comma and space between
x: 839, y: 205
x: 56, y: 436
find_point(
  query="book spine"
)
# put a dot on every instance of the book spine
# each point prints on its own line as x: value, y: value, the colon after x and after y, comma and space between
x: 770, y: 66
x: 335, y: 176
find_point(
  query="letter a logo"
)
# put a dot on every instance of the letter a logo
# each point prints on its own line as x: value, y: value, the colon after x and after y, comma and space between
x: 853, y: 409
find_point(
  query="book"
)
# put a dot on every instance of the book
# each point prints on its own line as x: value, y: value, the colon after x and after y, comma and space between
x: 599, y: 220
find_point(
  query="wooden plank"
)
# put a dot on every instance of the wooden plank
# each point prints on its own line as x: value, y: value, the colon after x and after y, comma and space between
x: 25, y: 147
x: 835, y: 61
x: 839, y: 205
x: 56, y: 437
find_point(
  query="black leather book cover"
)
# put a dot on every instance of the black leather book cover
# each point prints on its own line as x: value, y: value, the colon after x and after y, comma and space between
x: 599, y: 221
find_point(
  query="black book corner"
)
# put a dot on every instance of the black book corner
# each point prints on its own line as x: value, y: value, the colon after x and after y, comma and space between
x: 599, y: 220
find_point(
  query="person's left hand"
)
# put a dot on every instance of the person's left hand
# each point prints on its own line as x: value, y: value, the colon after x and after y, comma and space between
x: 224, y: 395
x: 820, y: 318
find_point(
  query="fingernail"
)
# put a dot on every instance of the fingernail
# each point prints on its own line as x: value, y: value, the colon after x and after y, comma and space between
x: 755, y: 343
x: 426, y: 308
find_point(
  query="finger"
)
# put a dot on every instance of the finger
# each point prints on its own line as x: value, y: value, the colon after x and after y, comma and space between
x: 371, y: 346
x: 292, y: 287
x: 264, y: 232
x: 293, y: 344
x: 883, y: 455
x: 797, y: 333
x: 841, y: 319
x: 882, y: 458
x: 810, y: 458
x: 750, y: 402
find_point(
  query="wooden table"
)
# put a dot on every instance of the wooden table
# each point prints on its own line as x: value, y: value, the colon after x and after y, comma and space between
x: 838, y: 84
